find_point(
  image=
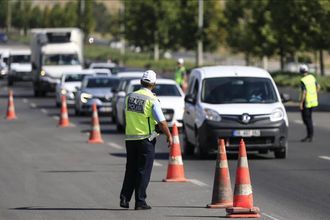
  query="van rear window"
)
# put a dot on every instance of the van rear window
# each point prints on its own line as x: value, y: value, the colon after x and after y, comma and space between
x: 223, y: 90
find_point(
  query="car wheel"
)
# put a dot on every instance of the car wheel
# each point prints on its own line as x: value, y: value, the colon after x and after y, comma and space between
x: 10, y: 82
x: 263, y: 151
x: 77, y: 112
x: 120, y: 128
x: 199, y: 151
x: 188, y: 148
x: 280, y: 154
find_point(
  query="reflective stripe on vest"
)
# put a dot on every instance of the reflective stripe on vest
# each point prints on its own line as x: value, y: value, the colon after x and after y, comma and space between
x: 311, y: 91
x: 140, y: 122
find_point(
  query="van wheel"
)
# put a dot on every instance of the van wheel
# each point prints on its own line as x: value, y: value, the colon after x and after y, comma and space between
x: 199, y: 151
x: 188, y: 148
x: 280, y: 154
x: 10, y: 82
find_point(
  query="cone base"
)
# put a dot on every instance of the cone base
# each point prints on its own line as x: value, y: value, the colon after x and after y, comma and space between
x: 243, y: 216
x: 65, y: 125
x: 9, y: 118
x: 100, y: 141
x: 240, y: 212
x: 220, y: 205
x: 176, y: 180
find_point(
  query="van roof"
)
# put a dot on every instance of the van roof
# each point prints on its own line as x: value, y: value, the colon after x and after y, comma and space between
x: 228, y: 71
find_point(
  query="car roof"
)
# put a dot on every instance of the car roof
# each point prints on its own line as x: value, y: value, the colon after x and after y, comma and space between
x: 100, y: 76
x: 84, y: 71
x: 158, y: 81
x: 108, y: 65
x: 231, y: 71
x: 20, y: 52
x: 130, y: 74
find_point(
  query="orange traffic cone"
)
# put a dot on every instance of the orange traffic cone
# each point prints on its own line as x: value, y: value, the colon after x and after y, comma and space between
x: 222, y: 195
x: 64, y: 117
x: 11, y: 115
x: 243, y: 196
x: 95, y: 134
x: 175, y: 170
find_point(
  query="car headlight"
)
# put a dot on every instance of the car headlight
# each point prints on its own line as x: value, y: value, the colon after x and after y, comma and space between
x: 63, y: 91
x: 42, y: 73
x: 212, y: 115
x: 277, y: 115
x: 85, y: 96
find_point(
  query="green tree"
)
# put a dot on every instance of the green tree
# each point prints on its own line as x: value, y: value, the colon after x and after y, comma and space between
x: 103, y: 24
x: 69, y: 16
x: 56, y: 16
x: 20, y: 19
x: 36, y: 17
x: 3, y: 13
x: 85, y: 16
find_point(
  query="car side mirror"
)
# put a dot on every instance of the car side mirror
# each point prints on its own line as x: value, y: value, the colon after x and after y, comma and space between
x: 121, y: 94
x: 285, y: 97
x: 190, y: 99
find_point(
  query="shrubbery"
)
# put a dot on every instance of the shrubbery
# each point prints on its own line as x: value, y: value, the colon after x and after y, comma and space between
x: 293, y: 80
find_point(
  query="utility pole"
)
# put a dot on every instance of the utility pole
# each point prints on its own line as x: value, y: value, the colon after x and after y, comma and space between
x: 122, y: 28
x: 8, y: 16
x: 200, y: 31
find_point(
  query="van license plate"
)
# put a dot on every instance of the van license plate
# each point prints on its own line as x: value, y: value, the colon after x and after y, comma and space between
x: 246, y: 133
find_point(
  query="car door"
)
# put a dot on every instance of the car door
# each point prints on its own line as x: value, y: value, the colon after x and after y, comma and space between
x: 190, y: 110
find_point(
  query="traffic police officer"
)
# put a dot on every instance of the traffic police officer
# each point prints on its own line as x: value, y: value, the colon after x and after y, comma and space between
x: 308, y: 100
x: 180, y: 73
x: 142, y: 113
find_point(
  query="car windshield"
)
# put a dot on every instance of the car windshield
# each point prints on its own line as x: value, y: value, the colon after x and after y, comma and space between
x: 73, y: 77
x: 238, y: 90
x: 102, y: 83
x: 162, y: 90
x: 61, y: 59
x: 20, y: 59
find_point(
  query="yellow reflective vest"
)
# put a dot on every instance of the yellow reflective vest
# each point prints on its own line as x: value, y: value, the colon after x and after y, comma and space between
x: 311, y: 91
x: 140, y: 122
x: 179, y: 75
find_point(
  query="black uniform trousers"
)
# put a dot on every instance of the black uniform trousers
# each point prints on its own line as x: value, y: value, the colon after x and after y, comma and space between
x: 306, y: 115
x: 140, y: 158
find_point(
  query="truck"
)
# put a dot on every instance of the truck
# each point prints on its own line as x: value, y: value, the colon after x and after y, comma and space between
x: 53, y: 52
x: 19, y: 66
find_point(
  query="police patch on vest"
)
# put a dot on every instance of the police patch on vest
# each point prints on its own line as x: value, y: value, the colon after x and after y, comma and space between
x: 135, y: 104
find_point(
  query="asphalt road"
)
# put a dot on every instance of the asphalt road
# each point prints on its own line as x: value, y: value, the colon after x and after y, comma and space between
x: 47, y: 172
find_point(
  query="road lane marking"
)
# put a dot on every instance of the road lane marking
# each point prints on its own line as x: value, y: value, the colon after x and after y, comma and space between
x: 269, y: 216
x: 157, y: 164
x: 116, y: 146
x: 298, y: 121
x: 324, y: 157
x: 56, y: 117
x: 198, y: 182
x: 25, y: 100
x: 33, y: 105
x: 44, y: 111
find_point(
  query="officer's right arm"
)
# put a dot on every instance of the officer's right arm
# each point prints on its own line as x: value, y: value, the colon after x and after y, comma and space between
x: 162, y: 124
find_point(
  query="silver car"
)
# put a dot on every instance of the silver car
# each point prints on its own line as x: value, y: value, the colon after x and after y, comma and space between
x: 95, y: 89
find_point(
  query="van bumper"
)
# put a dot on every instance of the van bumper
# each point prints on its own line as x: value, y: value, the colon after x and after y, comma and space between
x: 273, y: 136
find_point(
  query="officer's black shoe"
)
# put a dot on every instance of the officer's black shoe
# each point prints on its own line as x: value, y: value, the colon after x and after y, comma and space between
x: 124, y: 203
x: 142, y: 207
x: 307, y: 139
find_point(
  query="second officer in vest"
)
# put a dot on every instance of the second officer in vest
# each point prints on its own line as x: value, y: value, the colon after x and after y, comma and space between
x: 308, y: 100
x: 142, y: 113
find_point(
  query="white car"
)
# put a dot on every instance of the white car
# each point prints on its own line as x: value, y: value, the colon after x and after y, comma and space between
x: 169, y: 94
x: 234, y: 102
x: 19, y: 66
x: 69, y: 84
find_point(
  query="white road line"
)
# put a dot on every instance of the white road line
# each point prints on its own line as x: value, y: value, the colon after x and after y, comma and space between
x: 324, y: 157
x: 269, y: 216
x: 298, y: 121
x: 198, y: 182
x: 157, y: 164
x: 114, y: 145
x: 44, y: 111
x: 25, y: 100
x: 56, y: 117
x: 33, y: 105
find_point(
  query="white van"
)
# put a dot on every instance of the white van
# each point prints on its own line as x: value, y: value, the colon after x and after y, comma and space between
x: 234, y: 102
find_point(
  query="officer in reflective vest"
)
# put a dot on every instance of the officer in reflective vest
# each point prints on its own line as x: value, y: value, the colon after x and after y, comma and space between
x: 308, y: 101
x: 142, y: 113
x: 180, y: 74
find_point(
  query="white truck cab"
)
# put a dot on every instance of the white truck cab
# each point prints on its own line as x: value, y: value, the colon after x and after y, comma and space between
x: 54, y: 51
x: 234, y: 102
